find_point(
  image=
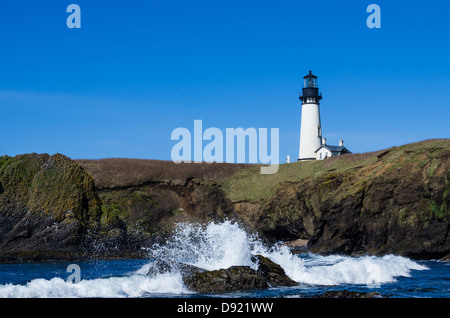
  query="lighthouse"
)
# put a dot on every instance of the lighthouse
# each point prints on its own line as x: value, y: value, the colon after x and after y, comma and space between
x: 310, y: 129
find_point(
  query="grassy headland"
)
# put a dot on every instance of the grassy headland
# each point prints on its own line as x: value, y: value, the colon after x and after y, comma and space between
x: 249, y: 184
x: 394, y: 200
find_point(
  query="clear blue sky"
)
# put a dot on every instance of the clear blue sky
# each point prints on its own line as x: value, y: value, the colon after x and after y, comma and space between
x: 137, y: 69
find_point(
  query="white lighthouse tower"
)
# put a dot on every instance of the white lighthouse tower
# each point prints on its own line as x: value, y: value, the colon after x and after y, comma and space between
x: 310, y: 130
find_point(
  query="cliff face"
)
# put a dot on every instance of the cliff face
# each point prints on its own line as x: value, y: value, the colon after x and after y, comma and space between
x: 391, y: 201
x: 51, y: 208
x: 47, y: 204
x: 148, y: 197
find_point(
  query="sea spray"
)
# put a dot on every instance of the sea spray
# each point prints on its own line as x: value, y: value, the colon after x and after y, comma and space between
x: 211, y: 246
x: 221, y: 245
x: 214, y: 246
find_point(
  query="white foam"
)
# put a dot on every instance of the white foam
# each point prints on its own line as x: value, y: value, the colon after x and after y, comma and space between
x: 113, y: 287
x: 368, y: 270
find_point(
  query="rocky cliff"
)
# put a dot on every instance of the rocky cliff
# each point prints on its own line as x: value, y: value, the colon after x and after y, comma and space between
x: 47, y: 205
x: 390, y: 201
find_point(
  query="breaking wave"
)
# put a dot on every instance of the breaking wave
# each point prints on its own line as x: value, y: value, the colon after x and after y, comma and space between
x: 214, y: 246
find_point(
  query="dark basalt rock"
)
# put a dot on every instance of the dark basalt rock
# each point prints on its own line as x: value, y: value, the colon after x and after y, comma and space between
x: 273, y: 273
x: 165, y: 266
x: 222, y: 280
x: 268, y: 274
x: 348, y: 294
x: 47, y: 205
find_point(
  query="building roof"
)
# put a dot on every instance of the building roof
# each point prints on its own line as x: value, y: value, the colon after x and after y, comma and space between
x: 333, y: 148
x: 310, y: 75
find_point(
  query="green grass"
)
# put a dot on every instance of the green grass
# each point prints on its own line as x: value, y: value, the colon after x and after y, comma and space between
x: 434, y: 164
x: 250, y: 185
x: 437, y: 211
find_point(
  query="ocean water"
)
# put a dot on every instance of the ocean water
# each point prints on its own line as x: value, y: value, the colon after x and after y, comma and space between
x: 215, y: 246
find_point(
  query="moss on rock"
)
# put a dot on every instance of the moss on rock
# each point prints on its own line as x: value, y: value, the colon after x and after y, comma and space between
x: 46, y: 204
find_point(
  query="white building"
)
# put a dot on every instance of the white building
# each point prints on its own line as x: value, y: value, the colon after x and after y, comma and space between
x: 312, y: 146
x: 325, y: 151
